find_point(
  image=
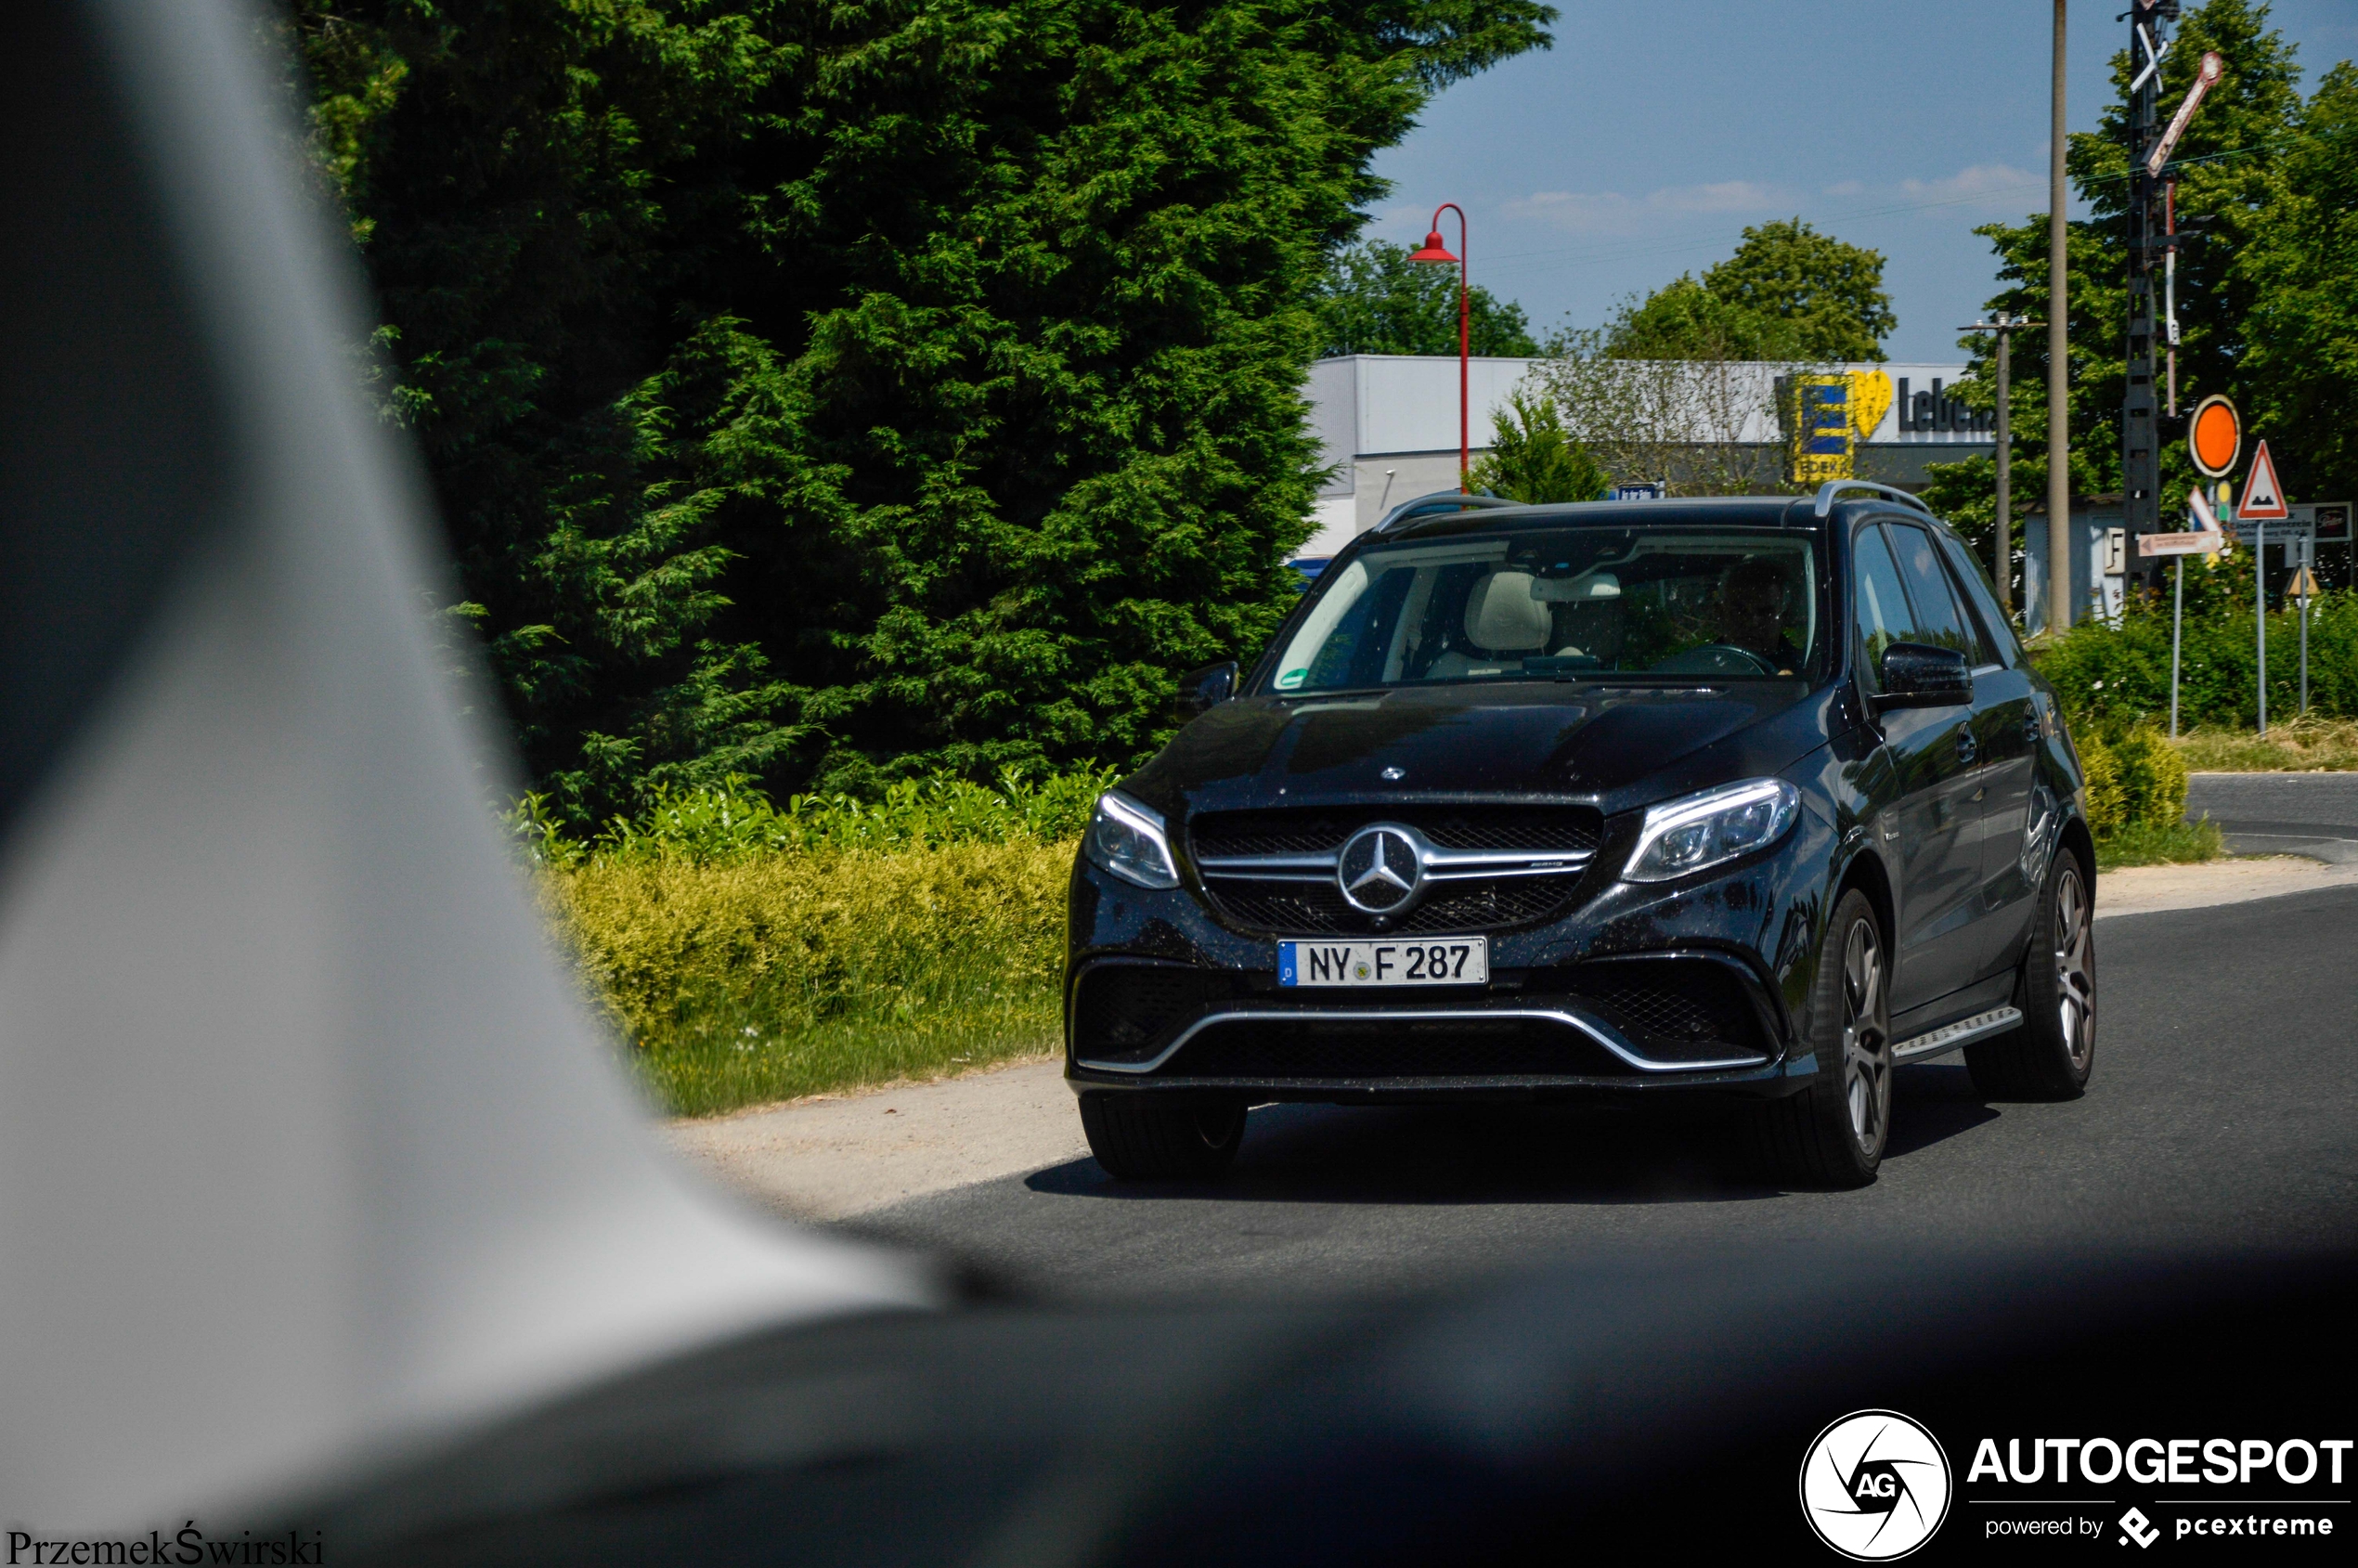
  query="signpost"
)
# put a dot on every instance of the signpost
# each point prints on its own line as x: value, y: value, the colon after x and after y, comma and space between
x: 1644, y: 492
x: 2262, y: 503
x: 2203, y: 539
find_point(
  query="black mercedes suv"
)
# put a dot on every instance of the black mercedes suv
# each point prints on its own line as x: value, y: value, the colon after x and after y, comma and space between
x: 1755, y: 797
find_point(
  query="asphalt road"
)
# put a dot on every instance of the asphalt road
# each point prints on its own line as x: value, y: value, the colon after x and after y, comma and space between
x: 2313, y: 814
x: 2221, y: 1116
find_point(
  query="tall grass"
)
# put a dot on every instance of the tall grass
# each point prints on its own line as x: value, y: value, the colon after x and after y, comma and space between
x: 2302, y: 744
x: 748, y: 954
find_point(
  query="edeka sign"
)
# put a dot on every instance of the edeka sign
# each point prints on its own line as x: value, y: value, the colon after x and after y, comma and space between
x: 1827, y: 417
x: 1937, y: 410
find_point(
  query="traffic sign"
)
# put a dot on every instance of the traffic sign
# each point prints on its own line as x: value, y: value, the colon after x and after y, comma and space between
x: 2214, y: 436
x: 2304, y: 584
x: 2201, y: 539
x: 2264, y: 499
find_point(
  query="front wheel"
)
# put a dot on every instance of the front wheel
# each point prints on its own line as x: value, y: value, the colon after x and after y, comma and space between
x: 1833, y: 1133
x: 1139, y: 1136
x: 2050, y: 1056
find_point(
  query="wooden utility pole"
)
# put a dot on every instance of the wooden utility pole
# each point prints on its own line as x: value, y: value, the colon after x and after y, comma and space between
x: 2058, y: 357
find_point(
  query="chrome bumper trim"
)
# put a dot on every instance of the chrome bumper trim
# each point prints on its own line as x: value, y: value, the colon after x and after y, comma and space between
x: 1596, y: 1030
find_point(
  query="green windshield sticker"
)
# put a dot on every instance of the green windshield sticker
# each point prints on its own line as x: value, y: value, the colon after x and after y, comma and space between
x: 1291, y: 679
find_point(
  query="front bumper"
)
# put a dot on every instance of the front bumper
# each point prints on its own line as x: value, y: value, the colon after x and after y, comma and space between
x: 1628, y: 991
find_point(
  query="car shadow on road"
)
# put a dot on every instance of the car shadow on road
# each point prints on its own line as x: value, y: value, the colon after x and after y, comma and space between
x: 1508, y: 1154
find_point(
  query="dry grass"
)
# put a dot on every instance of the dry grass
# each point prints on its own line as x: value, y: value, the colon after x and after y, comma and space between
x: 2303, y: 744
x: 766, y: 977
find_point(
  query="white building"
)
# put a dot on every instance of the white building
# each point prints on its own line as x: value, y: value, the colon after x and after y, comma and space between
x: 1388, y: 423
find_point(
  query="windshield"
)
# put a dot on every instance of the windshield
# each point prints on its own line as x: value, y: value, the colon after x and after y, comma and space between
x: 1561, y: 603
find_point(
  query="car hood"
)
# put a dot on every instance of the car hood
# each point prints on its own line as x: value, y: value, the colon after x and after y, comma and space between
x: 1619, y: 747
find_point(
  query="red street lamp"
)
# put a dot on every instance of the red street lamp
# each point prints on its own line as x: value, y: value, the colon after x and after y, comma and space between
x: 1437, y: 252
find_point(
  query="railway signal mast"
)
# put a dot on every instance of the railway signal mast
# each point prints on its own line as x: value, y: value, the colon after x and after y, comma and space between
x: 2153, y: 244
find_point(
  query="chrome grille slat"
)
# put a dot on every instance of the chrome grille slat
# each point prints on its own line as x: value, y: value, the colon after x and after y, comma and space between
x: 1485, y: 866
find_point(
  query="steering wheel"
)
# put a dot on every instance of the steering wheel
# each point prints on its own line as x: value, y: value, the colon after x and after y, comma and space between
x: 1715, y: 659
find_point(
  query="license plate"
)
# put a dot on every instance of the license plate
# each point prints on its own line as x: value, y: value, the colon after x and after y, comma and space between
x: 1458, y: 961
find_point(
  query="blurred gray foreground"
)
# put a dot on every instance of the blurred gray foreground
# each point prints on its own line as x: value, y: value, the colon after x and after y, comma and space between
x: 306, y: 1159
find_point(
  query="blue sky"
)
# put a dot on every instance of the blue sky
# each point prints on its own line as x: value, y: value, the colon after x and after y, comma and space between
x: 1642, y: 145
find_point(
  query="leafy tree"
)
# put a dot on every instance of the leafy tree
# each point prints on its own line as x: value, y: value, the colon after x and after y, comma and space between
x: 2256, y: 288
x: 1374, y: 299
x: 1533, y: 457
x: 826, y: 394
x: 1684, y: 320
x: 1830, y: 294
x: 2301, y: 335
x: 1788, y: 293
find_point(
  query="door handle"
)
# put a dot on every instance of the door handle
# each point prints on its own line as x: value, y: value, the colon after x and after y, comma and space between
x: 1967, y: 748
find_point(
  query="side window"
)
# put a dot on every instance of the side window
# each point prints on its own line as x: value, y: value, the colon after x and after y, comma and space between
x: 1940, y: 619
x: 1879, y: 606
x: 1996, y: 632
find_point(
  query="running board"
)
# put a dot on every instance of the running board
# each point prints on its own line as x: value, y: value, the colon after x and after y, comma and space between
x: 1950, y: 1037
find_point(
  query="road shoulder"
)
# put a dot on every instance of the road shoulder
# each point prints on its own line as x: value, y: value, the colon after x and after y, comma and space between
x: 836, y: 1156
x: 2146, y: 889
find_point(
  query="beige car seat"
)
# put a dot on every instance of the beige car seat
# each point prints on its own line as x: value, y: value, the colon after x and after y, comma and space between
x: 1503, y: 622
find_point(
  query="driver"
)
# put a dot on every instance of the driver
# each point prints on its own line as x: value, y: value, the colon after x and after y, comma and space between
x: 1751, y: 613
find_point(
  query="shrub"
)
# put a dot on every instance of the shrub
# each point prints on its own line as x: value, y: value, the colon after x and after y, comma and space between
x: 746, y: 952
x: 2106, y: 806
x: 2114, y: 676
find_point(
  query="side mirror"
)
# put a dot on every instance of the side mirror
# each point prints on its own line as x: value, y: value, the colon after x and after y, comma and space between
x: 1206, y: 688
x: 1918, y: 675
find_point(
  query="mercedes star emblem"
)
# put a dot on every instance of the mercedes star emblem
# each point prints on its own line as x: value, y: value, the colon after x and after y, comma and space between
x: 1379, y: 869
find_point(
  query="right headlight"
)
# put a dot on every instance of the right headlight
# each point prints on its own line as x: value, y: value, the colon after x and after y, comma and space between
x: 1127, y: 839
x: 1701, y: 831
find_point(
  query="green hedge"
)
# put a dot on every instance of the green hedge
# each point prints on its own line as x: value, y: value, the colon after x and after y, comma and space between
x: 747, y: 954
x: 2114, y: 677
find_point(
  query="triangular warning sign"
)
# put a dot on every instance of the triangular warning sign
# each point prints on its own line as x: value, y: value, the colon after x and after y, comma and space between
x: 2263, y: 498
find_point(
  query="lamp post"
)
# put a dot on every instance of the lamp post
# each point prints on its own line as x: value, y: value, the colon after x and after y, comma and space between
x: 1438, y: 253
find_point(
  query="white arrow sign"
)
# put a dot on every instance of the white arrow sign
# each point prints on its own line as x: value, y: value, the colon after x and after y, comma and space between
x: 2212, y: 68
x: 2201, y: 539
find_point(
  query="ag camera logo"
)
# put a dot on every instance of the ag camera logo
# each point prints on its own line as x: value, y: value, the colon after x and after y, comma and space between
x: 1875, y: 1486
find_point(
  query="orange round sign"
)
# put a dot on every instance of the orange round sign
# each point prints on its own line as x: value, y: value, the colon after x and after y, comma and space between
x: 2215, y: 436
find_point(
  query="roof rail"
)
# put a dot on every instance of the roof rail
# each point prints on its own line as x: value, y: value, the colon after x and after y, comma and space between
x: 1833, y: 487
x: 1440, y: 500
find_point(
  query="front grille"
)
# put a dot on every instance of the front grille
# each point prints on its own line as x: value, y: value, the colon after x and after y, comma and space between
x: 1673, y: 1006
x: 1316, y: 1048
x: 1120, y: 1010
x: 1317, y: 908
x: 1304, y: 830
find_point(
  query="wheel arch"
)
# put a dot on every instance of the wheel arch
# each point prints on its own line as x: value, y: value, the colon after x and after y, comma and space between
x: 1865, y: 871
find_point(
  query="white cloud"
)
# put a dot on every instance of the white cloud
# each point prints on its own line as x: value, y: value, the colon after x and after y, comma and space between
x: 1999, y: 187
x: 1848, y: 188
x: 1612, y: 212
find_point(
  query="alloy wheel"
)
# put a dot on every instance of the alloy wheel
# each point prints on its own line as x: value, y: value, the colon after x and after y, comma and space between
x: 2075, y: 969
x: 1866, y: 1042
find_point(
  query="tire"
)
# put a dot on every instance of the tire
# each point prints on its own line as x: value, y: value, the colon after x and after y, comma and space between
x: 2050, y: 1056
x: 1145, y: 1137
x: 1833, y: 1133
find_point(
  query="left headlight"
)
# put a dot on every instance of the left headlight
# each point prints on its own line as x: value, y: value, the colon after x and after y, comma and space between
x: 1127, y: 839
x: 1703, y: 830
